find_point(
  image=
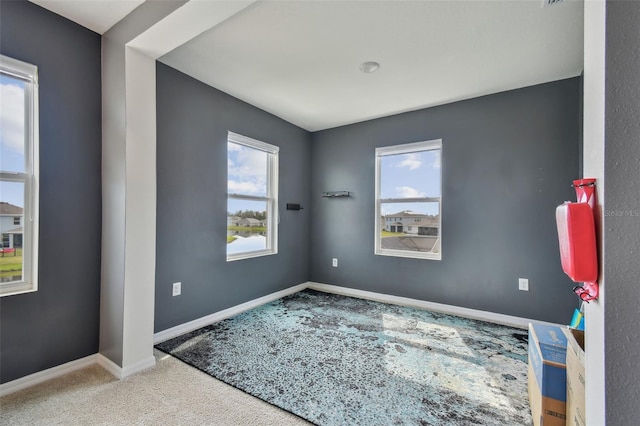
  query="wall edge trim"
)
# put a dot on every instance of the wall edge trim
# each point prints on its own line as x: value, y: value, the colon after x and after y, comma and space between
x: 496, y: 318
x: 493, y: 317
x: 109, y: 365
x: 122, y: 372
x: 143, y: 364
x: 48, y: 374
x: 187, y: 327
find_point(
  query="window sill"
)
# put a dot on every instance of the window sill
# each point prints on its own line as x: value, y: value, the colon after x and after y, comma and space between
x: 11, y: 289
x: 408, y: 254
x: 249, y: 255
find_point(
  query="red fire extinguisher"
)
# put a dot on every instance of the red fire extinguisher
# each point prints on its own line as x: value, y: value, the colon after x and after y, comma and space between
x: 577, y: 239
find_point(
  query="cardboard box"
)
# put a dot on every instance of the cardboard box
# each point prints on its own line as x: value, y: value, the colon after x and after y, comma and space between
x: 547, y: 374
x: 575, y: 378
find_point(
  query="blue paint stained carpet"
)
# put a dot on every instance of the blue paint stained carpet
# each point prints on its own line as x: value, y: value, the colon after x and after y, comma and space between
x: 337, y: 360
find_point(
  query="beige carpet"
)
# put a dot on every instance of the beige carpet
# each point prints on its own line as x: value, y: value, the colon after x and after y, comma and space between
x: 172, y: 393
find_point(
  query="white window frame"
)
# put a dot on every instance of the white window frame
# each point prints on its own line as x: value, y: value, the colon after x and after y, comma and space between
x: 271, y: 197
x: 408, y: 148
x: 30, y: 178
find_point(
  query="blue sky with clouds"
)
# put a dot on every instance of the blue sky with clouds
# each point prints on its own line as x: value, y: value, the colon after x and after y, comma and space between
x: 412, y: 175
x: 247, y: 175
x: 12, y: 137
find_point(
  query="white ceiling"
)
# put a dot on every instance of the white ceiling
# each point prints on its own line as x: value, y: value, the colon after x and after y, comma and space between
x: 97, y: 15
x: 299, y: 60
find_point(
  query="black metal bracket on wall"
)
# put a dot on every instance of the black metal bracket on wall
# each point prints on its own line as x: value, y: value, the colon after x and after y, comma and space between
x: 336, y: 194
x: 292, y: 206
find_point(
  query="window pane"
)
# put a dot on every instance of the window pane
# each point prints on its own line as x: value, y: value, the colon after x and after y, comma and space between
x: 12, y: 124
x: 247, y: 224
x: 19, y: 178
x: 413, y: 175
x: 12, y: 193
x: 409, y: 200
x: 247, y: 170
x: 410, y: 227
x: 252, y: 193
x: 12, y: 230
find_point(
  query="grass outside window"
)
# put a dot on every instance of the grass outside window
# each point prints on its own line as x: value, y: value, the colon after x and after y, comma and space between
x: 11, y: 263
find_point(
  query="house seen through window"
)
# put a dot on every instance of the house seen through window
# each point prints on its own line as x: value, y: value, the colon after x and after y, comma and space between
x: 18, y: 176
x: 409, y: 200
x: 252, y: 193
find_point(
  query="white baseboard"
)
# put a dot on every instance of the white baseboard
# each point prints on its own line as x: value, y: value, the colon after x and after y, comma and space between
x: 345, y: 291
x: 48, y: 374
x: 122, y: 372
x: 493, y: 317
x: 109, y: 365
x: 143, y: 364
x: 69, y: 367
x: 187, y: 327
x: 430, y: 306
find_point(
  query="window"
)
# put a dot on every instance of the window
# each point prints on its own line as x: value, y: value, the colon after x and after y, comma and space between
x: 252, y: 198
x: 408, y: 200
x: 18, y: 176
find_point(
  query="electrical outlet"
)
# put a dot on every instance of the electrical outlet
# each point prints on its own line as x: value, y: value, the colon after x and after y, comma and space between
x: 334, y: 262
x: 523, y: 284
x: 177, y: 289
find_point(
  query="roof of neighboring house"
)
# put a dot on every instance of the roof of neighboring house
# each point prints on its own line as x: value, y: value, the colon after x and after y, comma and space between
x: 9, y: 209
x: 405, y: 213
x: 409, y: 213
x: 430, y: 222
x: 17, y: 230
x: 250, y: 220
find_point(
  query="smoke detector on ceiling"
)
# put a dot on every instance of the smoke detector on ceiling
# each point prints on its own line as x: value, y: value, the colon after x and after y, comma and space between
x: 369, y: 67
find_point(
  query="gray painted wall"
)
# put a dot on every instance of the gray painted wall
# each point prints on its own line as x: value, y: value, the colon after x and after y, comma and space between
x: 193, y: 120
x: 622, y: 212
x: 508, y: 160
x: 59, y: 322
x: 517, y: 151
